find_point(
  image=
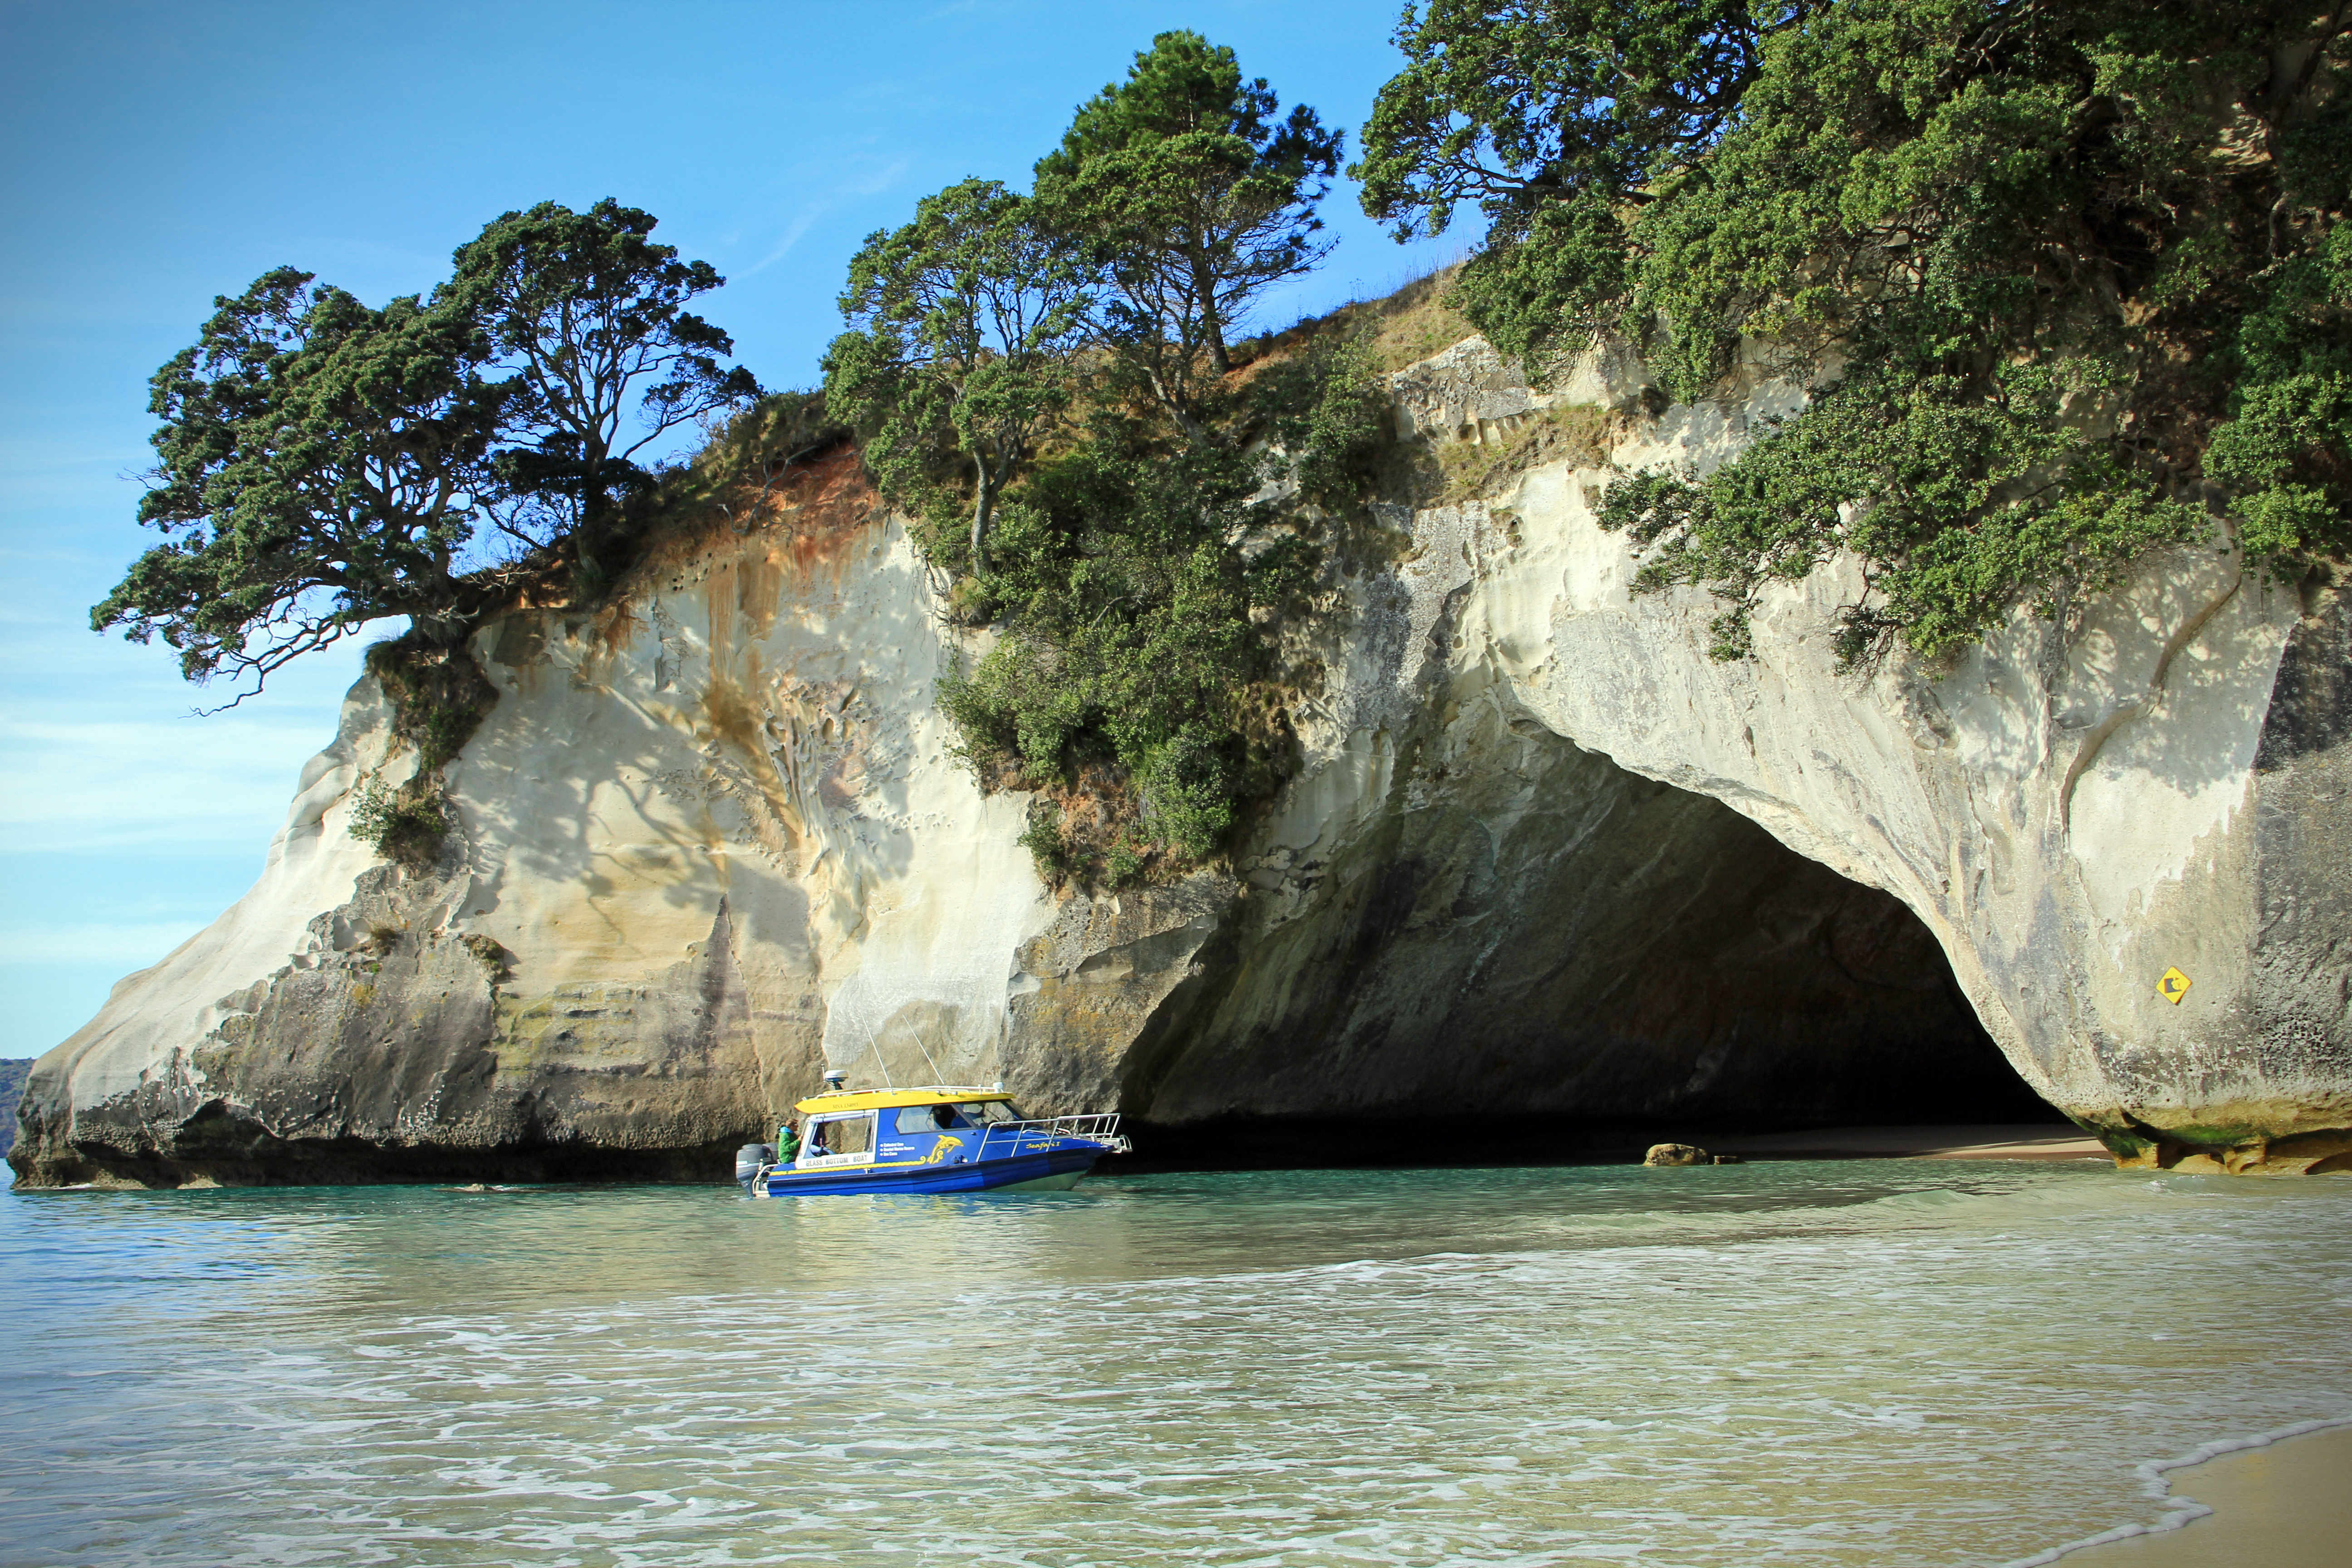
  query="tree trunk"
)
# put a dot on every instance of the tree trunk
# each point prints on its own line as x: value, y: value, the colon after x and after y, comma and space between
x: 982, y: 505
x: 446, y: 620
x: 1210, y: 323
x: 1178, y: 409
x: 440, y: 630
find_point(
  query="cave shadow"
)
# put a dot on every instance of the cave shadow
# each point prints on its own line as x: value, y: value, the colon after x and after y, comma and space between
x: 1567, y: 974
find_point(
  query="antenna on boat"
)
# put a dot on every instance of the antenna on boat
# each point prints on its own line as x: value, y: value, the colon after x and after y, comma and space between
x: 884, y: 1068
x: 936, y: 1077
x: 876, y: 1047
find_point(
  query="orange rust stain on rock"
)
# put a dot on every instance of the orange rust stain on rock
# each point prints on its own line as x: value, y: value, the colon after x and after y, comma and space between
x: 810, y: 531
x: 814, y: 520
x: 742, y: 724
x: 825, y: 508
x: 615, y: 628
x: 720, y: 599
x: 759, y: 588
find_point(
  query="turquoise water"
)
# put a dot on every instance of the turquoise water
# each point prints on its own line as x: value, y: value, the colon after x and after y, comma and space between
x: 1863, y: 1363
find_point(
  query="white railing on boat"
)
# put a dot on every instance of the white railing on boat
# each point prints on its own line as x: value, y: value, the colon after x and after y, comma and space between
x: 1099, y: 1127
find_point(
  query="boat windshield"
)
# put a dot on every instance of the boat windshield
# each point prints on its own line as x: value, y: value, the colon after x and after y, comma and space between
x: 971, y: 1114
x: 850, y: 1134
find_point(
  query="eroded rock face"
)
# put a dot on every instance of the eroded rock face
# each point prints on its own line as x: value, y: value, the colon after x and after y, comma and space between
x: 1544, y: 855
x: 706, y: 837
x: 2157, y: 780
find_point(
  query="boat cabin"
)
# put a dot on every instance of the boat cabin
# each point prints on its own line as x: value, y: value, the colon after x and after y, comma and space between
x: 939, y: 1138
x: 899, y: 1127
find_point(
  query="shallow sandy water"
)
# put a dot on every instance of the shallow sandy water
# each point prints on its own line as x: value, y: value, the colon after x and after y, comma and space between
x: 1860, y: 1361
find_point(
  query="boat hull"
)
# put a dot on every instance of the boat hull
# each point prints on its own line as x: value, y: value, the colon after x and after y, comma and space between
x: 1051, y: 1170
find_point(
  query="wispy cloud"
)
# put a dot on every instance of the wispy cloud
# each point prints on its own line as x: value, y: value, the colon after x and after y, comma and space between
x: 99, y: 752
x: 872, y: 183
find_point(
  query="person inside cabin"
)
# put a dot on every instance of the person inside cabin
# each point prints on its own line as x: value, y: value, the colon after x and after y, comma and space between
x: 943, y: 1116
x: 816, y: 1140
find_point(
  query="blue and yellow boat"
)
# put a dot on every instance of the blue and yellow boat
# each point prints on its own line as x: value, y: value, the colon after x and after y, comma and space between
x: 937, y: 1139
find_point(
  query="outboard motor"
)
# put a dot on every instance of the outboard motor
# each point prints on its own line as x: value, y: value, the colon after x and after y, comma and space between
x: 751, y: 1160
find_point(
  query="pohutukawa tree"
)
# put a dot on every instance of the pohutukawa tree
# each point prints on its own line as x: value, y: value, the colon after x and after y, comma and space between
x: 322, y: 463
x: 1191, y: 198
x: 964, y: 325
x: 1066, y: 355
x: 2081, y: 272
x: 1561, y: 121
x: 587, y: 316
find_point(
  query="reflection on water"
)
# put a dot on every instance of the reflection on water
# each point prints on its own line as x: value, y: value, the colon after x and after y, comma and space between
x: 1862, y: 1362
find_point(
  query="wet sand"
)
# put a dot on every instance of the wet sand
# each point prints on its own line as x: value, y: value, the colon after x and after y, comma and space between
x: 2288, y: 1505
x: 2033, y: 1141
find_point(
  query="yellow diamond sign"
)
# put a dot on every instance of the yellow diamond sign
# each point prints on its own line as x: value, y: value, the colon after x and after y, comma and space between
x: 2172, y: 985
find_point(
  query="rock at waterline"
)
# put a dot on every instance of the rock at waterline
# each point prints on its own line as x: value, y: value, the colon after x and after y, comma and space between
x: 13, y: 1073
x: 1677, y: 1154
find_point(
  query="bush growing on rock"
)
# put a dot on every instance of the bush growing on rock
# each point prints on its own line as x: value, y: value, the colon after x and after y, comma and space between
x: 406, y: 823
x: 1144, y: 510
x: 2078, y: 272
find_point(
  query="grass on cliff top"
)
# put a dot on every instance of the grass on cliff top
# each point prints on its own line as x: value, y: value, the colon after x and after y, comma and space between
x: 1404, y: 327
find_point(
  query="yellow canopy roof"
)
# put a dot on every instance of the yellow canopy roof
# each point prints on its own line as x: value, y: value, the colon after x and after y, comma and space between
x: 890, y: 1098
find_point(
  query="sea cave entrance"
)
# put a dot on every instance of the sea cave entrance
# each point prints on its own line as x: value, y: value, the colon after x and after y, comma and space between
x: 1573, y: 962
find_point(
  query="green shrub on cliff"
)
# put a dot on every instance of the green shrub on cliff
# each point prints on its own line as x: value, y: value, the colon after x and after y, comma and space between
x: 405, y: 824
x: 1139, y: 586
x: 2077, y: 271
x: 1141, y: 511
x: 438, y: 695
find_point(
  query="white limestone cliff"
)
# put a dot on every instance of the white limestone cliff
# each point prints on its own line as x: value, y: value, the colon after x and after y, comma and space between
x: 713, y: 837
x: 2072, y: 808
x: 707, y: 838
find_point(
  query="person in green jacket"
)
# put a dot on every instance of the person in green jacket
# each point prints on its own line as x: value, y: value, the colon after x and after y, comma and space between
x: 788, y: 1143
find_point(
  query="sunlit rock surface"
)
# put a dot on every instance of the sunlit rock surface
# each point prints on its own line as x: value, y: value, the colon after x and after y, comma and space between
x: 1544, y: 858
x: 2160, y: 780
x: 708, y: 835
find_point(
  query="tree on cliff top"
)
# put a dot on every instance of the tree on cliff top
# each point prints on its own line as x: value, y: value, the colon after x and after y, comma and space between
x: 1559, y: 119
x: 1191, y: 198
x: 2080, y: 268
x: 588, y: 316
x: 963, y: 326
x: 324, y: 464
x: 1069, y: 353
x: 321, y: 465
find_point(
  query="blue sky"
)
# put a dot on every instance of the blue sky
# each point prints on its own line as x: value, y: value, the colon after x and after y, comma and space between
x: 155, y: 155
